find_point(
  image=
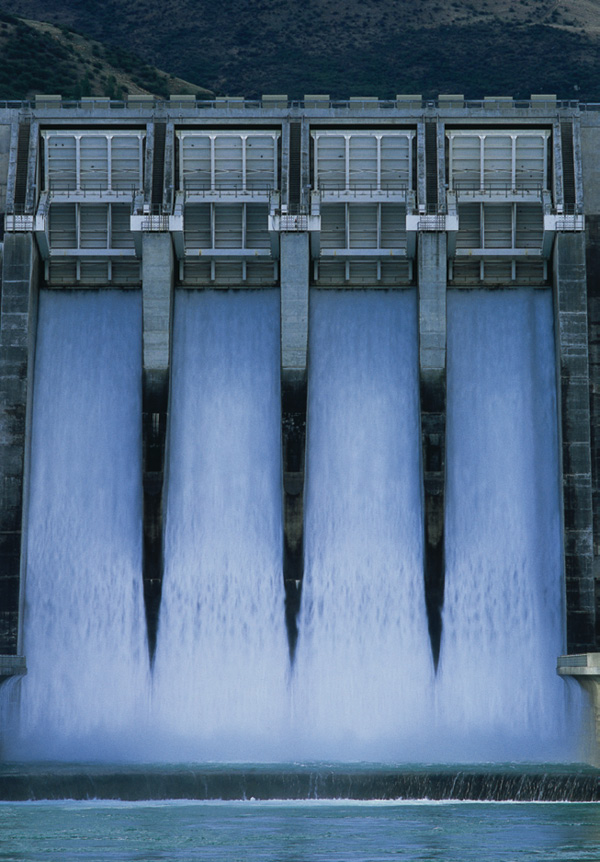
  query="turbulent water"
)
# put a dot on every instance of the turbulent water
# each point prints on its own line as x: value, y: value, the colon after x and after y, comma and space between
x: 222, y: 660
x: 84, y: 625
x: 498, y: 694
x: 310, y: 831
x: 363, y: 674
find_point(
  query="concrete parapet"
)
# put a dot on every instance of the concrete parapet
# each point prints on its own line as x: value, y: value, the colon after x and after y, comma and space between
x: 43, y: 100
x: 318, y: 100
x: 275, y: 101
x: 411, y: 100
x: 451, y: 100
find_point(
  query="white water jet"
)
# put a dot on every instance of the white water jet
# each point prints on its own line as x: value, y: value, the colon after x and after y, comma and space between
x: 222, y: 658
x: 363, y: 675
x: 498, y: 693
x: 84, y: 626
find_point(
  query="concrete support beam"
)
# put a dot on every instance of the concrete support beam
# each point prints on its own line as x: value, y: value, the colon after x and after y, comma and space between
x: 585, y: 668
x: 294, y: 348
x: 432, y: 262
x: 157, y: 301
x: 574, y: 394
x: 12, y: 665
x: 17, y: 351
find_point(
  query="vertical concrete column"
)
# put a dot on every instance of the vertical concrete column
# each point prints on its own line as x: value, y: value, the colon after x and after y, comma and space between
x: 593, y: 309
x: 294, y: 263
x: 432, y: 263
x: 572, y: 333
x: 157, y: 299
x: 17, y: 351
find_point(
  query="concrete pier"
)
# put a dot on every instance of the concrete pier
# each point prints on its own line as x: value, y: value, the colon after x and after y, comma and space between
x: 574, y: 395
x: 17, y: 355
x: 432, y: 386
x: 157, y: 305
x: 294, y: 355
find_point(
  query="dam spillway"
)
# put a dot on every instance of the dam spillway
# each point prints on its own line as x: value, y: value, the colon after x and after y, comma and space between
x: 503, y: 584
x: 85, y: 632
x: 364, y: 545
x: 356, y: 435
x: 223, y: 596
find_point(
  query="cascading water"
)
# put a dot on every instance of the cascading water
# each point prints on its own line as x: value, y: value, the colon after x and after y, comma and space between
x: 222, y: 661
x: 363, y: 674
x: 498, y: 694
x: 84, y: 625
x: 362, y: 686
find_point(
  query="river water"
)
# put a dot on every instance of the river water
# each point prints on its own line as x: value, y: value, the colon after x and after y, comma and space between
x: 298, y: 832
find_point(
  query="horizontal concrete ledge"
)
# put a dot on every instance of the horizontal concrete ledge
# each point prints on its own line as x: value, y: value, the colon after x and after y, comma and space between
x: 581, y: 664
x: 12, y: 665
x: 549, y: 783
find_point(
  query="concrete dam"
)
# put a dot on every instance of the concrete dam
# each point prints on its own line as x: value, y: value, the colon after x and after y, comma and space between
x: 299, y: 413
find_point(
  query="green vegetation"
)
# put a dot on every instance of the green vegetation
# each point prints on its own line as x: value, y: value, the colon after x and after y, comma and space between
x: 39, y: 58
x: 340, y: 47
x: 30, y: 61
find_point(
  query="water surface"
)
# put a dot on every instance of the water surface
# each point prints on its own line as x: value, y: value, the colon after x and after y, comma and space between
x: 299, y: 832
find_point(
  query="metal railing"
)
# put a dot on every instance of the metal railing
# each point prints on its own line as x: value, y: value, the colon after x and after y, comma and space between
x: 370, y: 190
x: 67, y: 190
x: 432, y: 222
x: 497, y: 188
x: 198, y: 190
x: 152, y: 222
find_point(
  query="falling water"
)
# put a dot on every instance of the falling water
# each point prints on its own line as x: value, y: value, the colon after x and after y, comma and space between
x: 363, y: 672
x: 221, y: 661
x: 84, y: 634
x: 499, y: 696
x: 363, y: 685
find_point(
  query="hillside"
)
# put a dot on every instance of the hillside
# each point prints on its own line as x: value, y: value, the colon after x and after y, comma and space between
x: 39, y: 57
x: 344, y: 47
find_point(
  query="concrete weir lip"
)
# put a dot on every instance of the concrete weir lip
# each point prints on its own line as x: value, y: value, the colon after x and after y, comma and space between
x: 12, y: 665
x: 508, y: 782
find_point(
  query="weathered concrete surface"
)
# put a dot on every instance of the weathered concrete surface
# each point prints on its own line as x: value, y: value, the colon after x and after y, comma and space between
x: 593, y: 309
x: 294, y: 348
x: 157, y: 303
x: 294, y: 301
x: 585, y: 669
x: 570, y: 299
x: 17, y: 351
x: 12, y: 665
x: 432, y: 385
x: 4, y: 155
x: 590, y: 161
